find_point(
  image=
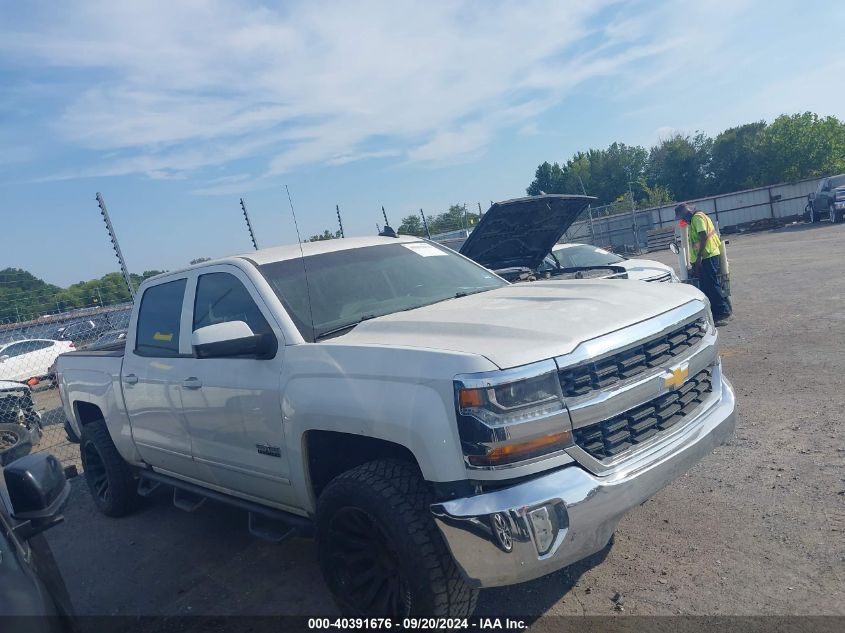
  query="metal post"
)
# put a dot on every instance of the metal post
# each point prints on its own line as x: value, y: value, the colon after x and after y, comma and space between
x: 384, y: 213
x: 100, y: 296
x: 425, y: 224
x: 115, y: 245
x: 339, y: 221
x: 634, y: 217
x: 17, y: 311
x: 249, y: 225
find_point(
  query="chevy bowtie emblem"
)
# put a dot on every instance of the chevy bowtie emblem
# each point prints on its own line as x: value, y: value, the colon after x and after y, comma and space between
x: 676, y: 377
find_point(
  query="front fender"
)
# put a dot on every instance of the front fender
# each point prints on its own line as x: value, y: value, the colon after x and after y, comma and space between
x: 404, y: 396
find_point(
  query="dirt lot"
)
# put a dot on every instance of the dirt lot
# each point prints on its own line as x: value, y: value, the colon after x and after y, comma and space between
x: 756, y: 528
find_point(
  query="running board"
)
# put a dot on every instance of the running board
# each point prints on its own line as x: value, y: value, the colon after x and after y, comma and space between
x: 263, y: 522
x: 146, y: 487
x: 187, y: 500
x: 268, y: 529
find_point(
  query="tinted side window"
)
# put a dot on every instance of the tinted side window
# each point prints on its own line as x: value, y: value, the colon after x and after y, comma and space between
x: 41, y: 345
x: 158, y: 320
x: 221, y: 297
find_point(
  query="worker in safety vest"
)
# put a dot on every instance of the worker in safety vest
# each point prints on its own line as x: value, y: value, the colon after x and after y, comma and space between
x: 704, y: 251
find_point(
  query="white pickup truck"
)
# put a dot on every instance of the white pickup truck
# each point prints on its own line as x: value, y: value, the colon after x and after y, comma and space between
x: 439, y: 429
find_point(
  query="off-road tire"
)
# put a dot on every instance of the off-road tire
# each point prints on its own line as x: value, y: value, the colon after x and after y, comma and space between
x: 104, y: 466
x: 395, y: 497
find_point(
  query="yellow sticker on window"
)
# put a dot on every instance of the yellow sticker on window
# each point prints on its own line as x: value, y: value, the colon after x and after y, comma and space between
x: 158, y: 336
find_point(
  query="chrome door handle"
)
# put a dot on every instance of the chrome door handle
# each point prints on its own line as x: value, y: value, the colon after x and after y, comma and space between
x: 130, y: 379
x: 192, y: 383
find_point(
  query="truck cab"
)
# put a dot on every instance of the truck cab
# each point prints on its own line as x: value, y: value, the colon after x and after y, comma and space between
x: 828, y: 201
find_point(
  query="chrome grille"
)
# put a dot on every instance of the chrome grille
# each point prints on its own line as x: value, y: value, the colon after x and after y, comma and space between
x: 616, y: 435
x: 661, y: 278
x: 600, y: 374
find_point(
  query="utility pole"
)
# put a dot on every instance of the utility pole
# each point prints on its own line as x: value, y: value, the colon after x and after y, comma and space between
x: 104, y: 212
x: 339, y: 221
x: 425, y: 224
x: 249, y: 225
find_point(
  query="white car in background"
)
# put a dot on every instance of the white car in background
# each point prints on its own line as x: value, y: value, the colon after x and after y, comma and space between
x: 573, y: 255
x: 518, y: 240
x: 30, y: 358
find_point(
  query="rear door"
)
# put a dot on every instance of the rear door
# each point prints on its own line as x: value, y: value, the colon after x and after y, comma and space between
x: 233, y: 405
x: 151, y: 379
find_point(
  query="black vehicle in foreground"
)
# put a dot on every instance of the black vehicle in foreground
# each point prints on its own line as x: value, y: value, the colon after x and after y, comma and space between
x: 33, y: 595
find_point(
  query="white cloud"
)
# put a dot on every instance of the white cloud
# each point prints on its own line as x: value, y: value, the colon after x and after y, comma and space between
x: 169, y: 88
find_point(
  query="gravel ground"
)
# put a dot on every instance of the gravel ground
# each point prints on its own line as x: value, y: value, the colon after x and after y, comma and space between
x: 758, y: 527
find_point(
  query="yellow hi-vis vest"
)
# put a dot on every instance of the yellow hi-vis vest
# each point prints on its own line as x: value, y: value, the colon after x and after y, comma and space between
x: 703, y: 224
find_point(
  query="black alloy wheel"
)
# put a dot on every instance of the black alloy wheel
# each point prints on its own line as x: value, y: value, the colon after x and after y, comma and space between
x: 95, y: 472
x: 367, y: 573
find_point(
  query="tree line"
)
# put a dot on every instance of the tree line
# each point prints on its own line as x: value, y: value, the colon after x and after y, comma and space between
x: 681, y: 167
x: 689, y: 166
x: 23, y: 296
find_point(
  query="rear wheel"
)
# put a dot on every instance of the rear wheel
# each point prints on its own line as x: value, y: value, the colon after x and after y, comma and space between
x: 380, y: 551
x: 108, y: 476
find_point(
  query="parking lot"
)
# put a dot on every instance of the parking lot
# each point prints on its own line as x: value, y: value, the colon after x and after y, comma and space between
x: 758, y: 527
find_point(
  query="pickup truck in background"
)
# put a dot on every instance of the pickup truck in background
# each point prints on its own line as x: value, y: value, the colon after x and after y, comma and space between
x: 437, y: 429
x: 828, y: 201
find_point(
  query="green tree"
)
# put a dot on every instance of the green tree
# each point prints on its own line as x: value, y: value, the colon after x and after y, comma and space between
x: 604, y: 173
x: 411, y: 225
x: 200, y: 260
x: 681, y: 165
x: 802, y: 146
x: 736, y: 158
x: 325, y: 235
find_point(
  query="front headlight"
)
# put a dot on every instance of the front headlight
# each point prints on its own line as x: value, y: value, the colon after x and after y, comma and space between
x: 511, y: 416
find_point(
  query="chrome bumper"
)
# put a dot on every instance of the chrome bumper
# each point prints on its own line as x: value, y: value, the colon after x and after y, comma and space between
x: 537, y: 527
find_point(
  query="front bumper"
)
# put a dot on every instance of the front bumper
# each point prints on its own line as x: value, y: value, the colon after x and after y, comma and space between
x: 537, y: 527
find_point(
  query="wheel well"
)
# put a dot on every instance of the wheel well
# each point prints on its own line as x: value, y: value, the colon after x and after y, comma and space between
x: 87, y: 412
x: 331, y: 453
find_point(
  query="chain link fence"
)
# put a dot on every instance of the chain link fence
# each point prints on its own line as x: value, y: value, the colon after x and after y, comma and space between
x: 32, y: 417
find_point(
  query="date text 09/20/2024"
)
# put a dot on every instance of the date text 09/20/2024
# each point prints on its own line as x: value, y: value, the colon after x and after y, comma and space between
x: 417, y: 623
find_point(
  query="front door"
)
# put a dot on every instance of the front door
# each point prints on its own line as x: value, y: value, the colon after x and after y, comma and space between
x: 233, y: 405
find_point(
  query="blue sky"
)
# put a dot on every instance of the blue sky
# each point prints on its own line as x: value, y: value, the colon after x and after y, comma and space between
x: 174, y: 110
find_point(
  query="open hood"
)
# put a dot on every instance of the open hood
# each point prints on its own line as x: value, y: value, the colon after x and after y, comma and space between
x: 521, y: 232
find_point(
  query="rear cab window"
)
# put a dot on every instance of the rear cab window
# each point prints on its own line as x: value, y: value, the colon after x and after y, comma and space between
x: 159, y: 315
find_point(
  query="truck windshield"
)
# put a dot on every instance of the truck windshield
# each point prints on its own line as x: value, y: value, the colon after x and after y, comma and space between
x: 580, y: 255
x: 350, y: 286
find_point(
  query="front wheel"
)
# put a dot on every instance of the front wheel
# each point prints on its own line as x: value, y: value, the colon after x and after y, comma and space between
x: 108, y: 476
x: 380, y: 551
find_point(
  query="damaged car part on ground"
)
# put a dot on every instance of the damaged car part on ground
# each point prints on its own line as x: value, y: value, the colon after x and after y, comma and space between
x: 261, y: 381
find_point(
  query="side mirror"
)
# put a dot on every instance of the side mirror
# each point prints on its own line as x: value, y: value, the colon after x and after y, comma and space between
x: 232, y: 339
x: 4, y: 358
x: 673, y: 247
x: 37, y: 490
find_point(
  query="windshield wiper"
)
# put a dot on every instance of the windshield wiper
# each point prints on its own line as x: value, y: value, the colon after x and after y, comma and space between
x: 466, y: 293
x: 343, y: 328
